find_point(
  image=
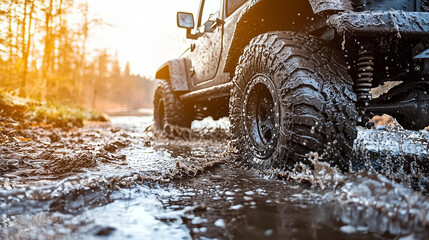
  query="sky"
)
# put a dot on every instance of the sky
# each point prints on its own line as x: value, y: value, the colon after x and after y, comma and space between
x: 143, y: 32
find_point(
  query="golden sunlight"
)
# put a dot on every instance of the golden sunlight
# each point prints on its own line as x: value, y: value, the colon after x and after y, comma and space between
x: 144, y: 33
x: 214, y: 119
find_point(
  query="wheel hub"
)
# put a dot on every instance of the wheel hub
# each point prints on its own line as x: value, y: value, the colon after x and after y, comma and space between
x: 161, y: 115
x: 261, y: 116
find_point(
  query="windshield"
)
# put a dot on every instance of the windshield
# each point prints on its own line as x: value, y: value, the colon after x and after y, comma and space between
x: 210, y: 10
x: 232, y: 5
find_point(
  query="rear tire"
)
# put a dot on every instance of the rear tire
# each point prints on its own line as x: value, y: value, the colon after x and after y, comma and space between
x: 169, y: 110
x: 291, y: 96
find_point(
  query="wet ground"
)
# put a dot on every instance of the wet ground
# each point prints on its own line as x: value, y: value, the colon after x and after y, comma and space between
x: 119, y: 181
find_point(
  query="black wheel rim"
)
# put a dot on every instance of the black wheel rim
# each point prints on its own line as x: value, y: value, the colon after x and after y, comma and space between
x: 261, y: 116
x: 161, y: 115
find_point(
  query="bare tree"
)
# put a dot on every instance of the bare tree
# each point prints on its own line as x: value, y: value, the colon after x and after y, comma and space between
x: 26, y: 41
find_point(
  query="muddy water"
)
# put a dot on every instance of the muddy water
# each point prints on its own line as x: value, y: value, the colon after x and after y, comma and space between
x: 139, y: 186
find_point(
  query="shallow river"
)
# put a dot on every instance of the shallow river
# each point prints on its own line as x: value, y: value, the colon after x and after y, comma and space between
x: 176, y: 189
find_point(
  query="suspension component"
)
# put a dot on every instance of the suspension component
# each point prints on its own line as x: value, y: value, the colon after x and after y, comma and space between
x: 199, y: 112
x: 365, y: 73
x: 363, y: 81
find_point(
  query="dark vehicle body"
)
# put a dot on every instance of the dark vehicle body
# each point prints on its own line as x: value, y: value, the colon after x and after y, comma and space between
x: 378, y: 41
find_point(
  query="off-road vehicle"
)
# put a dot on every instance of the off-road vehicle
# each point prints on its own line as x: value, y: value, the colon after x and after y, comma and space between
x: 297, y: 76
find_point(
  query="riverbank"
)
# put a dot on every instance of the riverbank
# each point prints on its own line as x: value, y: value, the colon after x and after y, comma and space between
x: 18, y: 114
x: 21, y: 109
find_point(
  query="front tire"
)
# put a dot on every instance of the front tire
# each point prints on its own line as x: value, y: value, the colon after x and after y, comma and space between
x: 291, y: 96
x: 169, y: 110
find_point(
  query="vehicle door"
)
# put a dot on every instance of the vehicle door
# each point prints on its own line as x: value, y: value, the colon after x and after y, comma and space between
x: 232, y: 11
x: 206, y: 50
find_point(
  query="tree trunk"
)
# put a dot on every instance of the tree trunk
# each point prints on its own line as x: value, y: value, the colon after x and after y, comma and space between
x: 47, y: 49
x: 10, y: 42
x: 23, y: 45
x: 27, y: 47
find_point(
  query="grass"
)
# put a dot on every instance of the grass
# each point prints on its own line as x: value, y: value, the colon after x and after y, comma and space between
x: 21, y: 109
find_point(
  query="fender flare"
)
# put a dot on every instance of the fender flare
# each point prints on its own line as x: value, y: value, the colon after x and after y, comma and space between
x: 245, y: 28
x: 174, y: 71
x: 320, y: 6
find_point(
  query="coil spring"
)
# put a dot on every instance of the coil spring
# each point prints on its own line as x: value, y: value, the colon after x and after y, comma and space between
x: 365, y: 73
x: 199, y: 114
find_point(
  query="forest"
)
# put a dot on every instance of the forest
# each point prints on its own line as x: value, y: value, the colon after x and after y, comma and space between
x: 44, y: 55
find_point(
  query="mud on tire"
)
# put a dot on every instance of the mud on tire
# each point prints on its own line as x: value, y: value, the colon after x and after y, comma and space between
x: 171, y: 115
x: 305, y: 84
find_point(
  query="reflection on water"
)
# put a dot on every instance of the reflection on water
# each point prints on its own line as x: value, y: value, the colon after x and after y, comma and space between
x: 175, y: 189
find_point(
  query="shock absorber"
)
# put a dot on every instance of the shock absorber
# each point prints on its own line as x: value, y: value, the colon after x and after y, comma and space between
x: 199, y: 112
x: 365, y: 73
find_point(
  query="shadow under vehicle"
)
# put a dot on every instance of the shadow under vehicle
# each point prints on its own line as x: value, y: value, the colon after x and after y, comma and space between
x: 297, y: 76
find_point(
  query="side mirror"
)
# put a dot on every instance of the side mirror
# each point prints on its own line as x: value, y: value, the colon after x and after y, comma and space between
x: 185, y: 20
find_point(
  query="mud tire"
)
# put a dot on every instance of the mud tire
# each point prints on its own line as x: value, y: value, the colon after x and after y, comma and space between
x: 170, y: 112
x: 312, y: 94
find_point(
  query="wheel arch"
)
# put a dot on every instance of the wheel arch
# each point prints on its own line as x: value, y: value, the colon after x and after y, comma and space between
x: 174, y: 72
x: 261, y: 16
